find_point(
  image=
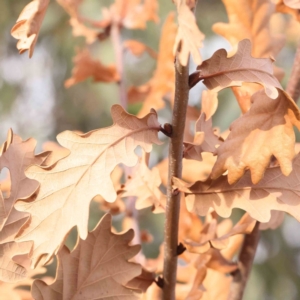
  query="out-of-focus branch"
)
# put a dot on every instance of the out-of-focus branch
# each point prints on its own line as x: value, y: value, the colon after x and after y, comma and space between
x: 293, y: 87
x: 117, y: 45
x: 241, y: 275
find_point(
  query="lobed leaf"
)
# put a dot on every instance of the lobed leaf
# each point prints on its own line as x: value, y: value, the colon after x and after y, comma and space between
x: 205, y: 140
x: 274, y: 192
x: 145, y: 186
x: 162, y: 82
x: 251, y: 20
x: 68, y: 186
x: 189, y: 38
x: 86, y: 67
x: 266, y: 130
x: 97, y: 268
x: 221, y: 71
x: 28, y: 25
x: 16, y: 155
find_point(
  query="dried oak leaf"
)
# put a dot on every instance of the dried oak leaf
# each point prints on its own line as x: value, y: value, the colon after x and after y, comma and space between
x: 162, y: 82
x: 132, y: 14
x: 99, y: 267
x: 292, y: 3
x: 16, y: 291
x: 274, y: 192
x: 277, y: 218
x: 209, y: 237
x: 144, y: 184
x: 191, y: 169
x: 17, y: 155
x: 205, y: 140
x: 251, y: 20
x: 189, y: 38
x: 68, y: 186
x: 77, y: 22
x: 142, y: 282
x: 265, y: 130
x: 137, y: 48
x: 28, y: 25
x: 85, y: 66
x: 283, y: 8
x: 221, y: 71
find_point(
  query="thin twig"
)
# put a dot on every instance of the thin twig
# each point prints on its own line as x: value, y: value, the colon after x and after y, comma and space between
x: 240, y: 276
x: 293, y: 87
x: 175, y: 169
x: 117, y: 45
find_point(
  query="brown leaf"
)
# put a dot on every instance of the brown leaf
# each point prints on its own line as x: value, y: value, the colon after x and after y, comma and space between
x: 251, y: 20
x: 69, y: 185
x: 56, y: 152
x: 86, y: 67
x: 265, y: 130
x: 210, y: 239
x: 95, y: 274
x: 132, y: 14
x: 145, y: 186
x: 283, y: 8
x: 28, y: 25
x: 118, y: 205
x: 220, y: 71
x: 292, y: 3
x: 277, y: 218
x: 15, y: 291
x: 209, y: 103
x: 17, y: 155
x: 274, y: 192
x: 191, y: 168
x: 162, y: 82
x: 138, y: 48
x: 190, y: 224
x: 189, y: 38
x: 79, y: 29
x: 197, y: 289
x: 143, y: 281
x: 204, y: 141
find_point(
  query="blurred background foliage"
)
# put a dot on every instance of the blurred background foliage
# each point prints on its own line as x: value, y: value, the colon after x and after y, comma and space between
x: 35, y: 103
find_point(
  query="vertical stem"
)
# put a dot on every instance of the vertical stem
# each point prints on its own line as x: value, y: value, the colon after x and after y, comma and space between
x: 293, y: 87
x: 117, y: 45
x: 175, y: 169
x: 240, y: 276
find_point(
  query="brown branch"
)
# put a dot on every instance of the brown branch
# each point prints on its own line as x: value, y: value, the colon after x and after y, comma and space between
x: 117, y: 45
x: 240, y: 276
x: 293, y: 87
x: 175, y: 169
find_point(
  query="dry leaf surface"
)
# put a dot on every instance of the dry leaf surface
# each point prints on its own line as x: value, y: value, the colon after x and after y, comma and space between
x: 86, y: 67
x: 162, y: 82
x: 265, y: 130
x: 145, y: 186
x: 17, y: 155
x: 251, y: 19
x: 221, y: 71
x: 67, y: 187
x: 99, y: 267
x: 292, y: 3
x: 189, y: 38
x: 28, y: 25
x: 205, y: 140
x: 274, y: 192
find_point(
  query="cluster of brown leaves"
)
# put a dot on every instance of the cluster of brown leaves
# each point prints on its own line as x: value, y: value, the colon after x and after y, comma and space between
x: 253, y: 167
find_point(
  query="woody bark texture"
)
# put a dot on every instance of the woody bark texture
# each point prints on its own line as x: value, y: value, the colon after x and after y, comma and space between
x: 175, y: 169
x: 245, y: 261
x: 293, y: 87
